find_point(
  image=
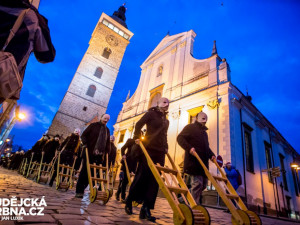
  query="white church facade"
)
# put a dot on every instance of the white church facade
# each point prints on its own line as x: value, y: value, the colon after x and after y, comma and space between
x: 237, y: 130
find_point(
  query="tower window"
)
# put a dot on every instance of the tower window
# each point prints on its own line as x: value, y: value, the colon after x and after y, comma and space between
x: 106, y: 52
x: 98, y: 72
x: 91, y: 91
x: 160, y: 70
x: 84, y: 108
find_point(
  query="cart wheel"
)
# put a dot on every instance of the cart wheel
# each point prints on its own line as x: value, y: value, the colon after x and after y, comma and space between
x: 93, y: 194
x: 243, y: 215
x: 254, y: 218
x: 103, y: 196
x: 201, y: 215
x: 135, y: 204
x: 187, y: 213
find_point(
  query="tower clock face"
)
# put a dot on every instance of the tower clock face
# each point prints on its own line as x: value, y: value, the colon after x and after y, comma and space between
x: 112, y: 40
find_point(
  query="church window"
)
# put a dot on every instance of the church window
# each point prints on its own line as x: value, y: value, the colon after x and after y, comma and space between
x: 84, y: 108
x: 106, y: 52
x: 122, y: 135
x: 248, y: 148
x: 154, y: 99
x: 98, y: 72
x: 91, y: 91
x: 160, y: 70
x: 193, y: 113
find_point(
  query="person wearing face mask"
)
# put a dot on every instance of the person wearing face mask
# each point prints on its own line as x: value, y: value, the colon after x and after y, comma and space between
x: 50, y: 148
x: 113, y: 152
x: 67, y: 150
x: 96, y: 137
x: 38, y: 147
x: 144, y: 187
x: 193, y: 138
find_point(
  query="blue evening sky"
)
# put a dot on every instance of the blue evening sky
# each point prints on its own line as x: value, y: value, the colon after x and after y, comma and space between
x: 259, y: 39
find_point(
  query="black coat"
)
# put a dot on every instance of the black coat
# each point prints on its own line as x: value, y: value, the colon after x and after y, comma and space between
x: 90, y: 135
x: 131, y: 162
x: 112, y: 154
x: 195, y: 136
x: 49, y: 150
x: 69, y: 147
x: 156, y: 135
x: 37, y: 149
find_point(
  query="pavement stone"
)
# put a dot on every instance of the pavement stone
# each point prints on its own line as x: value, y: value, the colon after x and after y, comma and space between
x: 64, y: 209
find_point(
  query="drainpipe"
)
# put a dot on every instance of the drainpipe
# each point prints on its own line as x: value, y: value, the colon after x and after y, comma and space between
x: 277, y: 210
x: 243, y: 151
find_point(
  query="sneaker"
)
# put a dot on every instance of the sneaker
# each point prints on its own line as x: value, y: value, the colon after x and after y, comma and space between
x: 78, y: 195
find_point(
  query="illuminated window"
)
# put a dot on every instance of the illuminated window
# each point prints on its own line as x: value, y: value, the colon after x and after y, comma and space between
x: 106, y: 52
x: 98, y: 72
x: 154, y: 100
x: 193, y: 113
x: 91, y: 91
x: 122, y: 135
x: 115, y: 29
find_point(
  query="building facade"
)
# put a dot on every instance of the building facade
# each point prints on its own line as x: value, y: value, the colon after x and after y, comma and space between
x: 237, y: 130
x: 91, y: 87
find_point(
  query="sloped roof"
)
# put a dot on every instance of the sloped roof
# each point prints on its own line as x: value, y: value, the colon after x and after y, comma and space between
x: 165, y: 42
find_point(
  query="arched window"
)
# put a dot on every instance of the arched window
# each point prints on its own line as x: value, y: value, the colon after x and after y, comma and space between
x: 98, y: 72
x: 154, y: 99
x: 160, y: 70
x: 106, y: 52
x: 91, y: 91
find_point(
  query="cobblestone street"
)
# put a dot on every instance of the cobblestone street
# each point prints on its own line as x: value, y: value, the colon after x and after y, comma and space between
x: 64, y: 209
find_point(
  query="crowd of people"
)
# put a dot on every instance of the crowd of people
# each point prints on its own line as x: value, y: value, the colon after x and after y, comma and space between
x: 144, y: 187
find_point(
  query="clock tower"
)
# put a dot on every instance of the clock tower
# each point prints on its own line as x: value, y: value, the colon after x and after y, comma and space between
x: 91, y: 87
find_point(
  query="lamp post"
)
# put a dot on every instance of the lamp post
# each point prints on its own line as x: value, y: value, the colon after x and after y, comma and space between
x: 19, y: 116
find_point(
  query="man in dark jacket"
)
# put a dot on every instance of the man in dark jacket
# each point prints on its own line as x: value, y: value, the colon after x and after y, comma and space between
x: 67, y: 151
x: 32, y: 36
x: 38, y: 147
x: 193, y: 138
x: 50, y: 148
x: 113, y: 152
x: 96, y: 137
x: 131, y: 163
x: 144, y: 187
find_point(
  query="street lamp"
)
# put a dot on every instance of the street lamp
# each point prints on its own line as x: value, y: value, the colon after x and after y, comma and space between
x: 294, y: 165
x: 20, y: 116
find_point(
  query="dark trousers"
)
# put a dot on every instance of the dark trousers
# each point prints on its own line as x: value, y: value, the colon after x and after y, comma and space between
x: 144, y: 187
x: 83, y: 181
x: 122, y: 186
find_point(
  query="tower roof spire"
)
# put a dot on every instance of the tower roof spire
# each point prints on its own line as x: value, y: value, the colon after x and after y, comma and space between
x: 214, y: 50
x: 119, y: 15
